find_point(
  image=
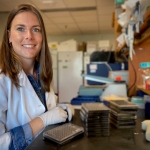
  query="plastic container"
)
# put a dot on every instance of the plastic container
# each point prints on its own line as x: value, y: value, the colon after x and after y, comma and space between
x: 143, y: 75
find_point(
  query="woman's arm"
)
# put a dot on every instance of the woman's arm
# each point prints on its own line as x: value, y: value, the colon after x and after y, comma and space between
x: 36, y: 126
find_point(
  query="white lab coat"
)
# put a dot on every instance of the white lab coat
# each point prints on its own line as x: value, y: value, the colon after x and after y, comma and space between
x: 18, y: 107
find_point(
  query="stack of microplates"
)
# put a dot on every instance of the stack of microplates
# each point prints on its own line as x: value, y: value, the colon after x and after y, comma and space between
x: 95, y: 117
x: 123, y: 113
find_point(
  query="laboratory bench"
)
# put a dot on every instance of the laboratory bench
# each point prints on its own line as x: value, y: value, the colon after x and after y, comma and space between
x: 119, y: 139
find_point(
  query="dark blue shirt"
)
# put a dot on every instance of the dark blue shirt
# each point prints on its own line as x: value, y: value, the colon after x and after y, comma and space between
x: 37, y: 86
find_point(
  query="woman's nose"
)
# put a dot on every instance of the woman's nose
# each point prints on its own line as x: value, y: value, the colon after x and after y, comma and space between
x: 29, y: 34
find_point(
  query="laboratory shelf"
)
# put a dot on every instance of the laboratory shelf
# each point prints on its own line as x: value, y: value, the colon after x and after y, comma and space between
x: 143, y: 90
x: 145, y: 36
x: 140, y: 37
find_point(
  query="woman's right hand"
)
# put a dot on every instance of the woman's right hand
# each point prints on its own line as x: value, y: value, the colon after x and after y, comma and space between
x: 53, y: 116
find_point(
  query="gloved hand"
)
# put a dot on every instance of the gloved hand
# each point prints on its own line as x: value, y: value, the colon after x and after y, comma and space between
x: 69, y: 108
x: 53, y: 116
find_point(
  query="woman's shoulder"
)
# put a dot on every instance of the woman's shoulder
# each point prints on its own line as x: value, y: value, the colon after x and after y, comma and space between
x: 3, y: 76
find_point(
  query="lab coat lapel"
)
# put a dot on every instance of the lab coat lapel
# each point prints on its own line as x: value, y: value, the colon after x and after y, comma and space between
x: 24, y: 82
x: 32, y: 101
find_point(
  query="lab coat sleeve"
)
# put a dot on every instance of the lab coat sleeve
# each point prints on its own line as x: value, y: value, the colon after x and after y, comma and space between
x: 5, y: 137
x: 5, y: 141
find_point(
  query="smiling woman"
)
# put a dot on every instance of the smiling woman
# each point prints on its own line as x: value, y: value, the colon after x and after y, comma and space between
x: 27, y: 102
x: 25, y: 36
x: 26, y: 39
x: 25, y: 28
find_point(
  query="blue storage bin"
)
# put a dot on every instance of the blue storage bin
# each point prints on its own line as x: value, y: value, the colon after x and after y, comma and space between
x: 84, y: 99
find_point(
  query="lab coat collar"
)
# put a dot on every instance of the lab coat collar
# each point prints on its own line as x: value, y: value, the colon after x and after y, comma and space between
x: 22, y: 75
x: 23, y: 81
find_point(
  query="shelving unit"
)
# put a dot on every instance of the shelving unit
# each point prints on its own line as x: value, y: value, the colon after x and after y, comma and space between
x: 117, y: 31
x: 142, y: 41
x: 140, y: 55
x: 144, y: 31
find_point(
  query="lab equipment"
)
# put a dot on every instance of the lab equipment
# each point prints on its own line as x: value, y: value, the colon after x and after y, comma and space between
x: 63, y: 133
x: 103, y: 69
x: 131, y: 26
x: 112, y: 87
x: 123, y: 114
x: 131, y: 20
x: 95, y: 117
x: 122, y: 106
x: 90, y: 91
x: 84, y: 99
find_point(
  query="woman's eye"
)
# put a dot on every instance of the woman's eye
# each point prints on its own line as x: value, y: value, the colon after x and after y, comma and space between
x: 36, y: 30
x: 20, y: 29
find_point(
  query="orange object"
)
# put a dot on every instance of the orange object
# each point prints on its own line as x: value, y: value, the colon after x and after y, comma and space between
x: 118, y: 78
x: 147, y: 84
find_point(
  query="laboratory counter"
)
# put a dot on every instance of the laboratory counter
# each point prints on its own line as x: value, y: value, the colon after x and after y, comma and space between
x: 119, y: 139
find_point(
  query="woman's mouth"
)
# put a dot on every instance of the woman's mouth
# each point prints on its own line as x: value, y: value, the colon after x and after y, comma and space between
x: 28, y: 45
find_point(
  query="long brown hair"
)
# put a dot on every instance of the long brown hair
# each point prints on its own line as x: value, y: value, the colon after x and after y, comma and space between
x: 9, y: 61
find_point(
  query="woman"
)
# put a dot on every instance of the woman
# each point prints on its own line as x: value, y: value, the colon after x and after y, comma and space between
x: 27, y: 102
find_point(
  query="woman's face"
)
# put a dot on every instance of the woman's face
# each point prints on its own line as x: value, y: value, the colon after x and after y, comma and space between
x: 25, y: 35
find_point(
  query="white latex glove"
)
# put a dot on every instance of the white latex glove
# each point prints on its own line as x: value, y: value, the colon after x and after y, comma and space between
x: 69, y: 108
x: 53, y: 116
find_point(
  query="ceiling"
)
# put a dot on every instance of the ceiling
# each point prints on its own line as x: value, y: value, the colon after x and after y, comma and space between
x: 67, y: 17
